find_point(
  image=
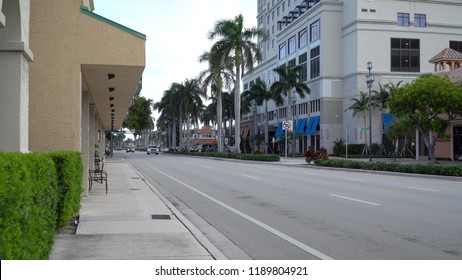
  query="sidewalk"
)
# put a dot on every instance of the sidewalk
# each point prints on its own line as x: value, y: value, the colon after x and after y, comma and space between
x: 121, y: 225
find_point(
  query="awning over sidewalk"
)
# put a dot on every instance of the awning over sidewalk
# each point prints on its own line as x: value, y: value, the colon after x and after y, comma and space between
x: 312, y: 125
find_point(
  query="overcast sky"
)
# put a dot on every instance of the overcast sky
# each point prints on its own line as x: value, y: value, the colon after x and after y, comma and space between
x: 176, y: 33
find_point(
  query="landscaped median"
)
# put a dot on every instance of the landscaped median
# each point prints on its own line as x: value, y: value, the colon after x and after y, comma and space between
x: 429, y: 169
x: 39, y: 193
x: 253, y: 157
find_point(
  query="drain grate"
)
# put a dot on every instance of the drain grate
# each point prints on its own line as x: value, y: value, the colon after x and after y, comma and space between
x: 133, y: 189
x: 160, y: 217
x: 136, y: 178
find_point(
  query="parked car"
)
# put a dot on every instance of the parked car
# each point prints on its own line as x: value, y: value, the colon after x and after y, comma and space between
x: 130, y: 149
x: 153, y: 149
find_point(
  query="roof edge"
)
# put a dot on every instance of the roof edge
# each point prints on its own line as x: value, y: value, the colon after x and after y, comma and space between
x: 86, y: 11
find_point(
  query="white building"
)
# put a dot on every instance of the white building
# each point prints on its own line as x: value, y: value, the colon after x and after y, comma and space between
x: 333, y: 40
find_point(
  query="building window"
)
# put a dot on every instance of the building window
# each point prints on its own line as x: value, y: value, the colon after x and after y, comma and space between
x: 315, y: 67
x: 302, y: 39
x: 403, y: 19
x: 315, y: 31
x: 283, y: 6
x: 456, y: 45
x: 292, y: 63
x: 291, y: 43
x: 405, y: 55
x: 420, y: 20
x: 282, y: 51
x: 302, y: 59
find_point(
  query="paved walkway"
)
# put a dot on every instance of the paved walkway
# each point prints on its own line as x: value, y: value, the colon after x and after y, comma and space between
x: 120, y: 225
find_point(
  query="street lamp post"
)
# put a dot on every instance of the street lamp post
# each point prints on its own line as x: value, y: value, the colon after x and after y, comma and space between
x: 254, y: 109
x: 370, y: 81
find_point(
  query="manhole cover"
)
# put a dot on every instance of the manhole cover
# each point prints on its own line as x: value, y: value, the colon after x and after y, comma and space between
x: 160, y: 217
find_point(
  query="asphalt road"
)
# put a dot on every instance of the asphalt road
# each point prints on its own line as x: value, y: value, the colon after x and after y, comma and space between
x: 266, y: 211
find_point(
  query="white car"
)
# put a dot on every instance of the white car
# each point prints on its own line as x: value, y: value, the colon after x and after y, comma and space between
x: 153, y: 149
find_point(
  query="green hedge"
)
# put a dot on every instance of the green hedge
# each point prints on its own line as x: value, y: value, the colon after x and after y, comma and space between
x: 430, y: 169
x: 252, y: 157
x: 35, y: 191
x: 69, y: 169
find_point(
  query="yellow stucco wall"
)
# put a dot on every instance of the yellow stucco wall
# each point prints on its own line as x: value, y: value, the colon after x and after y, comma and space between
x: 54, y: 115
x: 63, y: 39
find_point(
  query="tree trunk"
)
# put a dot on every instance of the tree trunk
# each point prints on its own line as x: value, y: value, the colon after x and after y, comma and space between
x: 237, y: 108
x: 219, y: 121
x: 174, y: 135
x: 266, y: 127
x: 430, y: 144
x: 188, y: 132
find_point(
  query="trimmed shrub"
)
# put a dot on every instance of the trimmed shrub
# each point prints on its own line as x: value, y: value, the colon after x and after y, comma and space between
x: 430, y: 169
x: 69, y: 169
x: 28, y: 203
x: 38, y: 193
x: 252, y: 157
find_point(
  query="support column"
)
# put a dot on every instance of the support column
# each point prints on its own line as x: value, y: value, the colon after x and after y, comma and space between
x: 85, y: 136
x: 14, y: 75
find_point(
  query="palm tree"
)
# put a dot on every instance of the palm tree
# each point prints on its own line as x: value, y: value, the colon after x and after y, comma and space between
x: 228, y: 109
x: 169, y: 108
x: 289, y: 78
x: 360, y: 105
x: 235, y: 42
x: 380, y: 99
x: 218, y: 75
x: 261, y: 94
x: 209, y: 114
x: 191, y: 105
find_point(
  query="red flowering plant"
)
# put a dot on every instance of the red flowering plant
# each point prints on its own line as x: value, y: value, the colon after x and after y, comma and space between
x: 312, y: 155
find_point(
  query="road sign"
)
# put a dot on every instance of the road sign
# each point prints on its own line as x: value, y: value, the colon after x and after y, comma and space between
x: 287, y: 125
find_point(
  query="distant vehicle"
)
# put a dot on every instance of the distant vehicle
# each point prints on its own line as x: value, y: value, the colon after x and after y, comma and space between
x: 130, y: 149
x: 153, y: 149
x: 194, y: 148
x: 212, y: 149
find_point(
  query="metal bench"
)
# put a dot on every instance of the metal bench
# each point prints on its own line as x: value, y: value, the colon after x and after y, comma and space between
x: 98, y: 174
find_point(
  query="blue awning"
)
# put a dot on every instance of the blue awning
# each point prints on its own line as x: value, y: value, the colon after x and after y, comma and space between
x: 279, y: 130
x: 301, y: 126
x: 308, y: 127
x: 387, y: 120
x: 312, y: 125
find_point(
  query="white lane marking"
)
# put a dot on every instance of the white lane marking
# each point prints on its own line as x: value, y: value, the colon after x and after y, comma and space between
x: 354, y: 199
x: 356, y: 180
x: 274, y: 231
x: 251, y: 177
x: 422, y: 189
x: 312, y: 174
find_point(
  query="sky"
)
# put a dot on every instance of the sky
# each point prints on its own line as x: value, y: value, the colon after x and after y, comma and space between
x: 176, y: 33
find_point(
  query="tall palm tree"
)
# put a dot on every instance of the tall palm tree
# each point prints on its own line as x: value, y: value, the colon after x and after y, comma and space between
x: 228, y: 109
x: 360, y: 105
x: 191, y: 104
x: 209, y: 114
x: 289, y: 79
x: 380, y: 99
x: 235, y: 41
x: 169, y: 108
x: 219, y: 74
x: 261, y: 94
